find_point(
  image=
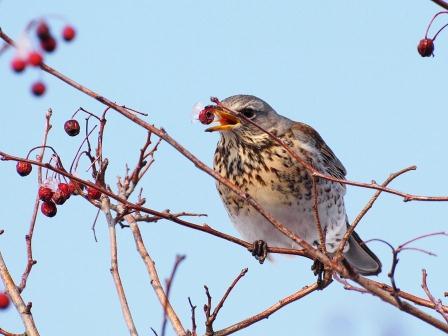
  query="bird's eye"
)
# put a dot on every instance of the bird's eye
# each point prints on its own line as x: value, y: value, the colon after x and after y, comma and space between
x: 248, y: 113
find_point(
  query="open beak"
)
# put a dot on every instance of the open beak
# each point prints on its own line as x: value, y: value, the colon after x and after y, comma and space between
x: 227, y: 121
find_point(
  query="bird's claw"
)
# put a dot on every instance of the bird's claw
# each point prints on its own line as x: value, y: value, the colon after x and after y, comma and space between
x: 259, y: 250
x: 323, y: 274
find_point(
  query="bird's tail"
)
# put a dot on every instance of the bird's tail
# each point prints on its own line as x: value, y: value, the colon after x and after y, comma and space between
x: 360, y: 258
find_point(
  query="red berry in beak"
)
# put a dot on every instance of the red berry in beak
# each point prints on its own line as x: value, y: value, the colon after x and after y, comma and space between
x: 71, y: 127
x: 4, y: 301
x: 35, y: 58
x: 425, y: 47
x: 49, y: 209
x: 45, y: 193
x: 18, y: 64
x: 23, y: 168
x: 49, y: 44
x: 43, y: 31
x: 93, y: 194
x: 68, y: 33
x: 38, y: 89
x: 206, y: 116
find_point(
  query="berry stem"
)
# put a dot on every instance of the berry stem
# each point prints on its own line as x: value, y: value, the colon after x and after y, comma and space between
x: 440, y: 30
x: 87, y: 112
x: 79, y: 153
x: 432, y: 20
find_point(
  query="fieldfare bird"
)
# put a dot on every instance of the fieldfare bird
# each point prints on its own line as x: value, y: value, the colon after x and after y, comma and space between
x: 254, y: 162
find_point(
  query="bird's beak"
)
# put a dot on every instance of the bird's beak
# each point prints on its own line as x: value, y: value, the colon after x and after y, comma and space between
x: 227, y: 121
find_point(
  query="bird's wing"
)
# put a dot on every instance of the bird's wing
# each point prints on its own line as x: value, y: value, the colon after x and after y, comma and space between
x: 310, y: 138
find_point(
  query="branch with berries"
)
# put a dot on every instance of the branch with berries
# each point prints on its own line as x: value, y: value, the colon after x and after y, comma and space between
x: 60, y: 184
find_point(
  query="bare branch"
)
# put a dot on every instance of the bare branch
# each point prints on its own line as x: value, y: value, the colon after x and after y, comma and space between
x: 441, y: 3
x: 155, y: 281
x: 168, y: 283
x: 211, y: 317
x: 438, y: 306
x: 13, y: 292
x: 267, y: 312
x: 114, y: 268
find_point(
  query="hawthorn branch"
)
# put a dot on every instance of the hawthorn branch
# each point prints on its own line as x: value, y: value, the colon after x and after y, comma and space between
x: 368, y: 206
x: 438, y: 306
x: 307, y: 248
x: 114, y: 268
x: 268, y: 312
x: 29, y: 236
x: 155, y: 280
x: 168, y: 283
x: 211, y: 317
x: 23, y: 309
x: 441, y: 3
x: 6, y: 333
x: 165, y: 215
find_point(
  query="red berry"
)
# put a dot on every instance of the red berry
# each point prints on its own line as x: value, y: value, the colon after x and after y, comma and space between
x: 71, y: 127
x: 18, y: 64
x: 425, y: 47
x: 38, y: 89
x: 49, y: 44
x: 65, y: 190
x: 4, y: 301
x: 49, y: 209
x: 74, y: 187
x: 68, y: 33
x: 206, y: 116
x: 43, y: 31
x: 23, y: 168
x: 59, y: 197
x: 93, y: 194
x: 45, y: 193
x: 35, y: 58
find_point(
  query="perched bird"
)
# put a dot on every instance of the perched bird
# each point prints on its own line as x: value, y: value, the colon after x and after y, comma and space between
x: 254, y: 162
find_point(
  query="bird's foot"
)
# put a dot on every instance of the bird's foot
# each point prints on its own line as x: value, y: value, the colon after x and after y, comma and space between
x: 324, y: 275
x: 259, y: 250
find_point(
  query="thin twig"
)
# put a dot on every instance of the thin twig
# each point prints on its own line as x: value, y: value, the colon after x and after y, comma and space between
x: 212, y: 317
x: 29, y: 236
x: 369, y: 205
x: 267, y: 312
x: 193, y: 318
x: 438, y: 306
x: 168, y: 283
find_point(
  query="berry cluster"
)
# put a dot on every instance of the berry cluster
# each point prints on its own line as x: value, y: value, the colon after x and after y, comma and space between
x: 426, y: 45
x: 4, y: 300
x: 53, y: 192
x: 27, y: 55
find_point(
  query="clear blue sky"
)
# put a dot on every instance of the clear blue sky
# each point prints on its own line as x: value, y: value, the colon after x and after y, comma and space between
x: 348, y: 68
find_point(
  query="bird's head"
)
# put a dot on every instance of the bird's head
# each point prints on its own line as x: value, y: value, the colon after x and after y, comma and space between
x: 251, y: 107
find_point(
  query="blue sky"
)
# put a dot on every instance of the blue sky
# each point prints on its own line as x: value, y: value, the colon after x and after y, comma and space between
x: 350, y: 69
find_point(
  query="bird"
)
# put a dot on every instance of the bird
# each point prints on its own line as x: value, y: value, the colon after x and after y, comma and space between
x: 261, y: 167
